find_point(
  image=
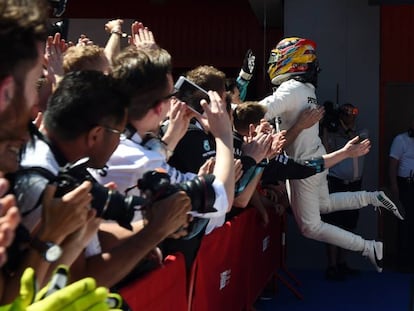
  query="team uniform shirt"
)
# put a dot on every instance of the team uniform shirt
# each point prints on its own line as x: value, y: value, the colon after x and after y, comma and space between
x: 282, y: 104
x: 131, y: 160
x: 201, y: 144
x: 402, y: 149
x: 30, y: 188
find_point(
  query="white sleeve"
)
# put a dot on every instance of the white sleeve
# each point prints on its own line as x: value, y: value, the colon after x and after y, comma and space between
x: 267, y: 103
x: 277, y: 103
x: 221, y: 204
x: 397, y: 148
x: 94, y: 247
x: 177, y: 176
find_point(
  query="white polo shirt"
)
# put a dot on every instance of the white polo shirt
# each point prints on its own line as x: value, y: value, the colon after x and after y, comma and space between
x: 131, y: 160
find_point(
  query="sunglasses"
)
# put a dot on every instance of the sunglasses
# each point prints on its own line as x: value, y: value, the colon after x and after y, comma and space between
x: 122, y: 135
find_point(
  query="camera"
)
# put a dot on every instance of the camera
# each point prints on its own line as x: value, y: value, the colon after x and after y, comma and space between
x: 109, y: 204
x: 61, y: 27
x: 156, y: 184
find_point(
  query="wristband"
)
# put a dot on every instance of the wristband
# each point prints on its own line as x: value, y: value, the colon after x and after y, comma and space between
x: 316, y: 163
x: 119, y: 32
x: 263, y: 163
x: 244, y: 75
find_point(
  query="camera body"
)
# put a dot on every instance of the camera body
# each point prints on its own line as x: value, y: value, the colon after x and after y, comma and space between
x: 156, y: 185
x: 109, y: 204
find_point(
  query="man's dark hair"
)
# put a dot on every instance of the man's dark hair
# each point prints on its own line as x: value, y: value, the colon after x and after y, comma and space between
x: 143, y: 75
x: 23, y: 24
x: 231, y: 84
x: 23, y: 28
x: 83, y: 100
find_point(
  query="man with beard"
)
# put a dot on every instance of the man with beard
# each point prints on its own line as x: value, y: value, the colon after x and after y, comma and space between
x: 23, y: 31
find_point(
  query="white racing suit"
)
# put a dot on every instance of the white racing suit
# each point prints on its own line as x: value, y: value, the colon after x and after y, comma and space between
x: 310, y: 197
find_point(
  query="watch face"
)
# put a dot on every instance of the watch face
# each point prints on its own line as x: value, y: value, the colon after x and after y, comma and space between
x: 53, y: 253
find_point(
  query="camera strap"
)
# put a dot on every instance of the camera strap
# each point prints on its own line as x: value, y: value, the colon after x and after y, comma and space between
x: 129, y: 131
x: 58, y: 155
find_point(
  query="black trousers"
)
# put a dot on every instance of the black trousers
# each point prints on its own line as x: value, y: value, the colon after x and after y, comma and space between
x: 406, y: 227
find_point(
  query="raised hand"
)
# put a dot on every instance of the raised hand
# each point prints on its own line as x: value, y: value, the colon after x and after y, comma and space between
x: 141, y: 37
x: 63, y: 216
x: 278, y: 142
x: 354, y: 148
x: 179, y: 119
x: 218, y: 118
x: 257, y: 146
x: 55, y: 47
x: 246, y: 71
x: 309, y: 117
x: 84, y: 40
x: 207, y: 167
x: 115, y: 26
x: 170, y: 213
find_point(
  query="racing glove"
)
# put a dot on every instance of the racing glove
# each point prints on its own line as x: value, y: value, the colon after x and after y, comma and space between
x: 246, y: 73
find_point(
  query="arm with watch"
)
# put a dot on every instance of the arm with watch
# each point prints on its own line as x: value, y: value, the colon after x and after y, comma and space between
x: 60, y: 218
x: 113, y: 45
x: 179, y: 117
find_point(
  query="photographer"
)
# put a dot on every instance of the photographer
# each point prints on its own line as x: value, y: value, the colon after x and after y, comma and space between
x: 22, y: 38
x: 146, y: 75
x: 84, y: 119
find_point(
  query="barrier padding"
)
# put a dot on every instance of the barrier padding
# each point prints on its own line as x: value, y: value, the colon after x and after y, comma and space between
x: 163, y: 289
x: 221, y: 268
x: 263, y: 243
x: 232, y: 267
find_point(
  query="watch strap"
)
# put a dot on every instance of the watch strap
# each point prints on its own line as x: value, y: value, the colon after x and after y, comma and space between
x: 42, y: 247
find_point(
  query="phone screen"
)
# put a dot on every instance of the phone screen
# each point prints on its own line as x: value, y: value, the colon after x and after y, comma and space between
x: 190, y: 93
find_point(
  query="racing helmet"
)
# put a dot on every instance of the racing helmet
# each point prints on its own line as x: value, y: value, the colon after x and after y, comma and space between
x: 291, y: 57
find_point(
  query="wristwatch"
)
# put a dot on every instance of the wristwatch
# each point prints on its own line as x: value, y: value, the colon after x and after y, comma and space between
x: 49, y: 250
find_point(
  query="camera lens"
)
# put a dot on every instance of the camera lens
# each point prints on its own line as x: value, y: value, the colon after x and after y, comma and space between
x: 199, y: 189
x: 112, y: 205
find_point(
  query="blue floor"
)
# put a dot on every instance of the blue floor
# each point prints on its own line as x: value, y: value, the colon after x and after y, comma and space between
x: 387, y: 291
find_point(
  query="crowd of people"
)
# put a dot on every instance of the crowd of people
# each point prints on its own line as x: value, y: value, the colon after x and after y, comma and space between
x: 107, y: 171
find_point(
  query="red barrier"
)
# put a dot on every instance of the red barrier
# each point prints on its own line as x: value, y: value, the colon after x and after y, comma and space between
x: 164, y: 289
x: 264, y: 249
x: 221, y: 268
x: 233, y: 265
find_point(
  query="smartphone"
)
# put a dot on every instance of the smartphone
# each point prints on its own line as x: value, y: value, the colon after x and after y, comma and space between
x: 190, y: 93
